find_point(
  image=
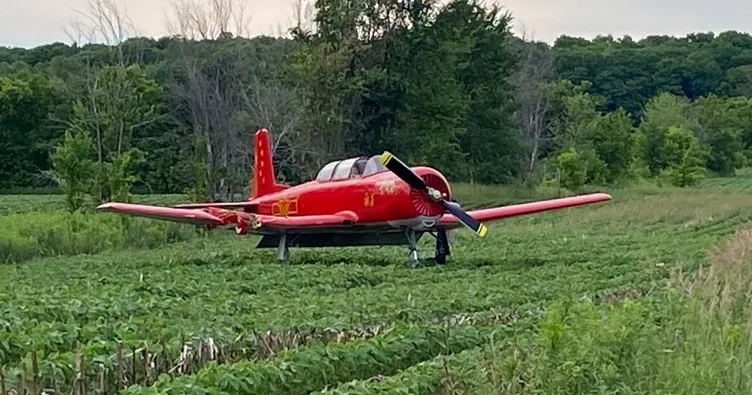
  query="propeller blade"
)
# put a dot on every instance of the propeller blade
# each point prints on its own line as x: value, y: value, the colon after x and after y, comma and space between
x: 465, y: 219
x: 400, y: 169
x: 397, y: 167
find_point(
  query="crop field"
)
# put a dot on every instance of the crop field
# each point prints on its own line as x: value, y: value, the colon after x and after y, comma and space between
x: 741, y: 182
x: 595, y: 299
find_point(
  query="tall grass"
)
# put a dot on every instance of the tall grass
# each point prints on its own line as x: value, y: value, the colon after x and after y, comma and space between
x: 10, y: 204
x: 42, y: 234
x: 693, y: 338
x: 715, y: 354
x: 36, y: 226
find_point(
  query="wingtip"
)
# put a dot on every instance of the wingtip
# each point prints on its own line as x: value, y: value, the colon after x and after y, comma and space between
x: 104, y: 206
x: 599, y: 196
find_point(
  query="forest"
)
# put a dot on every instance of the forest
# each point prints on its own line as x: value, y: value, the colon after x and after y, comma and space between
x: 444, y: 85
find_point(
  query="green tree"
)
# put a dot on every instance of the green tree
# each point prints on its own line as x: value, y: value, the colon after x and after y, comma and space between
x: 662, y: 112
x: 573, y: 169
x: 492, y: 140
x: 722, y: 124
x: 29, y: 102
x: 122, y: 101
x: 604, y: 142
x: 74, y: 167
x: 612, y: 141
x: 686, y: 157
x: 628, y: 73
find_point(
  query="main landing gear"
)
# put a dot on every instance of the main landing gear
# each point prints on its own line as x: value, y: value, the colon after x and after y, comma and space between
x: 442, y: 247
x: 283, y: 252
x: 413, y: 248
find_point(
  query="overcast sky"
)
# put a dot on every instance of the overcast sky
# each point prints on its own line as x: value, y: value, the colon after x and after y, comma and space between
x: 28, y: 23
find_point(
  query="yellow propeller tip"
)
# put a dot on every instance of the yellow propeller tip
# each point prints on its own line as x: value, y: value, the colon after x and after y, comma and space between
x: 482, y: 231
x: 385, y: 157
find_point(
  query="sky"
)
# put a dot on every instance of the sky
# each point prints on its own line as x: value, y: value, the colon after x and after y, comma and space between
x: 28, y: 23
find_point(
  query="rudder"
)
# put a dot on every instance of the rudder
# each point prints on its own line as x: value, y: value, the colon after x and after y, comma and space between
x: 264, y: 181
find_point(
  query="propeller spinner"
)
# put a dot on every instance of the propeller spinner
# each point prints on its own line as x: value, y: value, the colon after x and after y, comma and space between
x: 401, y: 170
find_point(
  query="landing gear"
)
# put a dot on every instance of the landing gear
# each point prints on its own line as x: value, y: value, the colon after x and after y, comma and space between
x: 442, y: 246
x: 412, y: 242
x: 283, y: 252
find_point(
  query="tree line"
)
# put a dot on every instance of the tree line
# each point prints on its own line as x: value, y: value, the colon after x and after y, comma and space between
x: 445, y: 85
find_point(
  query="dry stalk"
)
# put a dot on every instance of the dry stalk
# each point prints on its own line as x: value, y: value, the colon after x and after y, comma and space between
x: 102, y: 379
x: 617, y: 295
x: 2, y: 380
x: 36, y: 382
x: 120, y: 371
x: 21, y: 379
x: 142, y: 366
x: 55, y: 385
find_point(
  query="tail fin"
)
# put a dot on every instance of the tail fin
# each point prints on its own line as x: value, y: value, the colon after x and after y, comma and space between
x: 264, y: 181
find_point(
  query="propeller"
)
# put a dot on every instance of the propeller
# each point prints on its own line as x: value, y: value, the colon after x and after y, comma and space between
x: 401, y: 170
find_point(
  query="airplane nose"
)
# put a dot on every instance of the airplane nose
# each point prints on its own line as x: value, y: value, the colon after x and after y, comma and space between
x: 438, y: 187
x: 435, y: 194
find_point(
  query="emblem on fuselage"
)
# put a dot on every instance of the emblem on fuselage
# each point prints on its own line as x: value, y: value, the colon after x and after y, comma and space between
x: 368, y: 200
x: 388, y: 187
x: 285, y: 207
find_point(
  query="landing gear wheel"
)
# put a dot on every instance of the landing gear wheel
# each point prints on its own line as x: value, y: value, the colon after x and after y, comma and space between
x: 440, y: 258
x: 414, y: 259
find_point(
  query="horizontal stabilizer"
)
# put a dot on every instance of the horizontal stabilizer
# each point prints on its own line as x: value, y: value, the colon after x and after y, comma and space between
x: 196, y: 217
x: 246, y: 206
x: 244, y: 222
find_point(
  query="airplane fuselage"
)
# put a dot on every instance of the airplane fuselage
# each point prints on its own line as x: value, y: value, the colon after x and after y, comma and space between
x: 376, y: 199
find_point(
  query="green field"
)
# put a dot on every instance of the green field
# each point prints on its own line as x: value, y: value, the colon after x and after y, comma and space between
x: 584, y: 300
x: 742, y: 182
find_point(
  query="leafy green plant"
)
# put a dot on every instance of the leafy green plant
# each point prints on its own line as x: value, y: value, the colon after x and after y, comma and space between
x: 74, y: 167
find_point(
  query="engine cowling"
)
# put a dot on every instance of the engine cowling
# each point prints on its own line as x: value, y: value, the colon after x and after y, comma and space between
x: 422, y: 203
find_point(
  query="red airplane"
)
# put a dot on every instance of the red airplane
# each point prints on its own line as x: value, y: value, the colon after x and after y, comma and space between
x: 352, y: 202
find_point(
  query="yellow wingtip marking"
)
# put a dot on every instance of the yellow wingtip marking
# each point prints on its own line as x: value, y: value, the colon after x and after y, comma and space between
x: 385, y: 157
x: 482, y: 230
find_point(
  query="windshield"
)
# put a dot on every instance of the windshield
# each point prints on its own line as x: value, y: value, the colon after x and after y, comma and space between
x: 373, y: 166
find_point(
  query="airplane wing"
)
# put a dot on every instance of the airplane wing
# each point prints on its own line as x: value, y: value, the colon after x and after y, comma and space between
x: 243, y: 222
x: 497, y: 213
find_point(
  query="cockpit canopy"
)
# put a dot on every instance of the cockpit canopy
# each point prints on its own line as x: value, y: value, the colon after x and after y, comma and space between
x: 350, y: 168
